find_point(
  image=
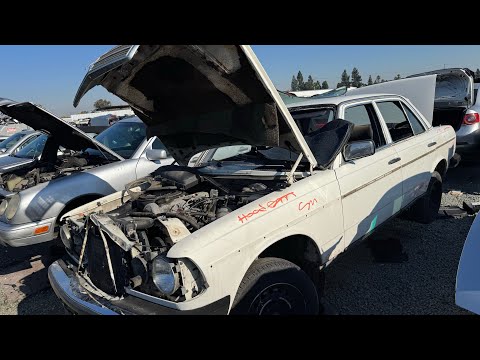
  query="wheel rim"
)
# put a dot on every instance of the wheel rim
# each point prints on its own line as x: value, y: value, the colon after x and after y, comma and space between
x: 279, y: 299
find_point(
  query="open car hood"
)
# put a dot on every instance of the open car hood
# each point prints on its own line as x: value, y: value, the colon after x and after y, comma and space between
x: 454, y: 87
x: 197, y: 97
x: 39, y: 119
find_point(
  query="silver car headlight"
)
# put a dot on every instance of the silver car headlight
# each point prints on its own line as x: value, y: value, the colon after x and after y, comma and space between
x: 164, y: 275
x: 12, y: 206
x: 3, y: 206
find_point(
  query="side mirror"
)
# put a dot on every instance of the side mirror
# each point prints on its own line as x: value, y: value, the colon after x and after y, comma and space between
x: 358, y: 149
x: 2, y: 150
x: 156, y: 154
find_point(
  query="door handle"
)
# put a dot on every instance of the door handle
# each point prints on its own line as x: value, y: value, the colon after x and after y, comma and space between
x: 432, y: 144
x: 393, y: 161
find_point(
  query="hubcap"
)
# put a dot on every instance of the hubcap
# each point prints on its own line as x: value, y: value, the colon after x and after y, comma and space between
x: 278, y: 299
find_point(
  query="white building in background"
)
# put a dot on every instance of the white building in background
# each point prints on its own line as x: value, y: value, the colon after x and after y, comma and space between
x: 308, y: 93
x: 120, y: 111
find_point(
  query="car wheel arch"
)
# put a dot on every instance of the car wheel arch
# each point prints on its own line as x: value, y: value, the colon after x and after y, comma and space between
x: 280, y: 247
x: 441, y: 167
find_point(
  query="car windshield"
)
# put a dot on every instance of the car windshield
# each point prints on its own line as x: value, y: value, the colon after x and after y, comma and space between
x: 10, y: 141
x: 123, y: 137
x: 308, y: 120
x: 34, y: 149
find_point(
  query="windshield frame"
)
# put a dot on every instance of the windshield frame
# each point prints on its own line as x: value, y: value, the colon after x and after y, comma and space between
x: 206, y: 158
x: 95, y: 152
x: 27, y: 146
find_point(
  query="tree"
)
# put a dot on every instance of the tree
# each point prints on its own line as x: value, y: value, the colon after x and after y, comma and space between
x: 398, y: 77
x: 370, y: 81
x: 309, y: 85
x: 294, y: 85
x: 477, y: 74
x: 377, y: 79
x: 316, y: 85
x: 101, y: 103
x: 325, y: 85
x: 301, y: 84
x: 344, y: 80
x: 356, y: 78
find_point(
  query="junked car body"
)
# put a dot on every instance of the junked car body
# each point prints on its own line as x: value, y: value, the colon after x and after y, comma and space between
x: 467, y: 290
x: 456, y: 104
x: 17, y: 141
x: 9, y: 126
x: 64, y: 168
x: 281, y: 191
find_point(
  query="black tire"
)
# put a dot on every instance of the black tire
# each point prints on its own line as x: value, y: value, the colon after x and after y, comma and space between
x: 274, y: 286
x: 425, y: 209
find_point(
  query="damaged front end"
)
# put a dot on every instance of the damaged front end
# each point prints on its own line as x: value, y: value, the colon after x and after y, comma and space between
x: 122, y: 244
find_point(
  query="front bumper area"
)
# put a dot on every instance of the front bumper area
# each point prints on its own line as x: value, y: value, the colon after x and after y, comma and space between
x: 67, y: 287
x: 23, y: 235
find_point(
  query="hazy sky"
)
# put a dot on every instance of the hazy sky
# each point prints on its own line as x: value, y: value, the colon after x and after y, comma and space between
x: 49, y: 75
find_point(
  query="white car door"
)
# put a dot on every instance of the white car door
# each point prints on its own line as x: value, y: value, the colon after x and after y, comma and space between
x: 370, y: 187
x: 412, y: 143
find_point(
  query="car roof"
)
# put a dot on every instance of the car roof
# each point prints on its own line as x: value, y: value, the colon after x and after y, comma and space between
x: 337, y: 100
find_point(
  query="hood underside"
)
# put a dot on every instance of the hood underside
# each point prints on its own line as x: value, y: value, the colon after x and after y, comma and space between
x: 39, y: 119
x: 197, y: 97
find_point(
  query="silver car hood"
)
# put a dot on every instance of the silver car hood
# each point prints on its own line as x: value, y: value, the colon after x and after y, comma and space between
x: 9, y: 163
x: 39, y: 119
x: 197, y: 97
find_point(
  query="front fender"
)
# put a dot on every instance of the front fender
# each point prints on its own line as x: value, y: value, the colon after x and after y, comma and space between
x: 48, y: 199
x: 226, y: 248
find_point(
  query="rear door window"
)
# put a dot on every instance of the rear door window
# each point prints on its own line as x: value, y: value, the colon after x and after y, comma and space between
x: 395, y: 119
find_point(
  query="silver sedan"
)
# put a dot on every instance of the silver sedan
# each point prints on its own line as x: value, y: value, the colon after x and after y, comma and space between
x: 46, y: 186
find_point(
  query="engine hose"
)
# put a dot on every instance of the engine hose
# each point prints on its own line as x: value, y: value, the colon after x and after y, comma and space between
x: 143, y: 214
x: 185, y: 218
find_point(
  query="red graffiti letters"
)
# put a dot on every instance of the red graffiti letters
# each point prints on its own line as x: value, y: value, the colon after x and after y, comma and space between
x: 307, y: 205
x: 270, y: 205
x: 245, y: 217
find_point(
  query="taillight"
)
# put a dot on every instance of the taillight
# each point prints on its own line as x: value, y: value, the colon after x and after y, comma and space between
x: 472, y: 118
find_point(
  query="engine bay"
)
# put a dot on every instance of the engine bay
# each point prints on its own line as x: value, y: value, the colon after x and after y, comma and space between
x: 121, y: 246
x: 43, y: 171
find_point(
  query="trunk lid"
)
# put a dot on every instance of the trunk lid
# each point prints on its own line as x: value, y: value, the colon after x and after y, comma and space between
x: 197, y: 97
x: 454, y: 87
